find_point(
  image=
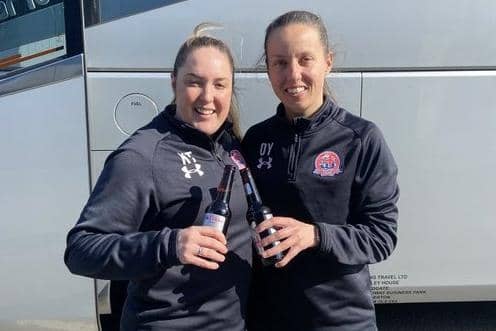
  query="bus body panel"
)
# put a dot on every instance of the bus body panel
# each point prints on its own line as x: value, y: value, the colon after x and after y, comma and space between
x: 441, y: 127
x: 365, y: 35
x: 44, y: 176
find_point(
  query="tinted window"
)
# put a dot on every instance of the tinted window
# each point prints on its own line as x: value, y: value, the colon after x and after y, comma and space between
x: 101, y: 11
x: 31, y: 32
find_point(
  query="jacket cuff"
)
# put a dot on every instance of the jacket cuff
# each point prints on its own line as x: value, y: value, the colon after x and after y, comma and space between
x: 168, y: 256
x: 325, y: 244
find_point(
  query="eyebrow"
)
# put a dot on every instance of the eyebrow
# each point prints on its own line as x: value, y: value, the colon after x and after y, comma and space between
x: 192, y: 75
x: 305, y: 53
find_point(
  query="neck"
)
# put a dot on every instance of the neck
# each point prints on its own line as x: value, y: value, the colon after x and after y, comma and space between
x: 306, y: 113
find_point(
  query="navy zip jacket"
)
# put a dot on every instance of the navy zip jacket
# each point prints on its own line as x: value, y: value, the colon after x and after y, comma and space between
x: 333, y: 170
x: 158, y: 181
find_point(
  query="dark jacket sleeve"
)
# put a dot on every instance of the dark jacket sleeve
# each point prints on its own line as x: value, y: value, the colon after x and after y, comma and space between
x: 106, y: 242
x: 370, y: 233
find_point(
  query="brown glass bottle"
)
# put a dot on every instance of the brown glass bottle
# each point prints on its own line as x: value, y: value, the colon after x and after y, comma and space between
x: 256, y: 214
x: 218, y: 214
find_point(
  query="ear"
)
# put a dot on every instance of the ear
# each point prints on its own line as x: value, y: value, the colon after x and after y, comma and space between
x: 329, y: 61
x: 173, y: 81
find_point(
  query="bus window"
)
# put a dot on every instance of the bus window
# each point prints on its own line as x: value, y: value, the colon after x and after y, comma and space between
x: 31, y: 32
x: 102, y: 11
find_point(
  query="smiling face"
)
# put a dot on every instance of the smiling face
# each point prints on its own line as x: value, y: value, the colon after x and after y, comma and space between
x: 297, y: 64
x: 203, y: 89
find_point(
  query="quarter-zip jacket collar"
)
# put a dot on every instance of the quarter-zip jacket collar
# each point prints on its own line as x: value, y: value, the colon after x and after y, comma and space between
x: 301, y: 127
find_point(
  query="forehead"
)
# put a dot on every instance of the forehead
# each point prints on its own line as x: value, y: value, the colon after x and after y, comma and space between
x: 207, y: 61
x: 294, y: 38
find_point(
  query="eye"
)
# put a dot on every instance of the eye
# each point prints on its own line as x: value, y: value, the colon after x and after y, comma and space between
x: 192, y: 83
x: 220, y: 86
x: 306, y: 60
x: 278, y: 63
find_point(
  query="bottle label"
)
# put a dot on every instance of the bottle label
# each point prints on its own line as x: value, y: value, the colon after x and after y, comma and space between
x: 248, y: 189
x: 257, y: 241
x: 271, y: 231
x: 268, y: 216
x: 215, y: 221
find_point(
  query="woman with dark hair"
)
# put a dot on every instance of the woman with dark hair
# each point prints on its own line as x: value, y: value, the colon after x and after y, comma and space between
x: 330, y: 180
x: 142, y: 220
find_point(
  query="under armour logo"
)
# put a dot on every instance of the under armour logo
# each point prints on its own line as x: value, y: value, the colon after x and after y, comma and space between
x: 265, y: 158
x: 188, y: 172
x: 189, y: 165
x: 262, y: 163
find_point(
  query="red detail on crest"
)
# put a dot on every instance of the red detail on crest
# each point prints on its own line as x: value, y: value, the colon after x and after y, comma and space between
x: 238, y: 159
x: 327, y: 164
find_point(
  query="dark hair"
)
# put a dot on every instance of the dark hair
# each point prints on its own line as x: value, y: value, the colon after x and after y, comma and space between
x: 196, y: 42
x: 304, y: 18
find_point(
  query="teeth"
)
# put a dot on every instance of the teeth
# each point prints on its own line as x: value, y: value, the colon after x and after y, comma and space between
x: 295, y: 90
x: 204, y: 111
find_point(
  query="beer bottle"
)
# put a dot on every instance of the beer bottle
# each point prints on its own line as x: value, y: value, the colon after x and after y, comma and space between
x: 218, y: 214
x: 256, y: 214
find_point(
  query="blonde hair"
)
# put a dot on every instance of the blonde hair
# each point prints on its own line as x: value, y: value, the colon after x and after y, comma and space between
x: 198, y: 40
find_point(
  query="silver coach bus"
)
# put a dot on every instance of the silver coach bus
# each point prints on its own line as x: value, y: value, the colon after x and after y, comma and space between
x: 77, y: 78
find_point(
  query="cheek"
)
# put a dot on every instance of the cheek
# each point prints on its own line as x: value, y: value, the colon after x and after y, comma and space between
x: 226, y: 104
x: 274, y: 76
x: 189, y: 95
x: 277, y: 83
x: 225, y: 98
x: 317, y: 76
x: 185, y: 99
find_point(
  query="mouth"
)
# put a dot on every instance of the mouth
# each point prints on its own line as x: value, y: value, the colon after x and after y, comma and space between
x: 295, y: 91
x: 204, y: 111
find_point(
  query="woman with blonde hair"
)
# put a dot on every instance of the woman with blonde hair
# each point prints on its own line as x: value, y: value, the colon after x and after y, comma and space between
x: 142, y: 222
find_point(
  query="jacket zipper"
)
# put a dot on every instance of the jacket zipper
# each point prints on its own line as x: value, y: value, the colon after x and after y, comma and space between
x: 294, y: 156
x: 215, y: 154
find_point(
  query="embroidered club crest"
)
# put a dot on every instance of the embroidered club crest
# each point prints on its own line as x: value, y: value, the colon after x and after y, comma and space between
x: 238, y: 159
x: 327, y: 164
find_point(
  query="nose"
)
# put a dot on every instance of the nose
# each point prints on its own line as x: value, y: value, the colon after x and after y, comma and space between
x: 207, y: 94
x: 294, y: 71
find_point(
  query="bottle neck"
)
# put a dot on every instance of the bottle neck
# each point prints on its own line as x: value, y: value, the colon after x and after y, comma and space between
x: 251, y: 191
x: 225, y: 186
